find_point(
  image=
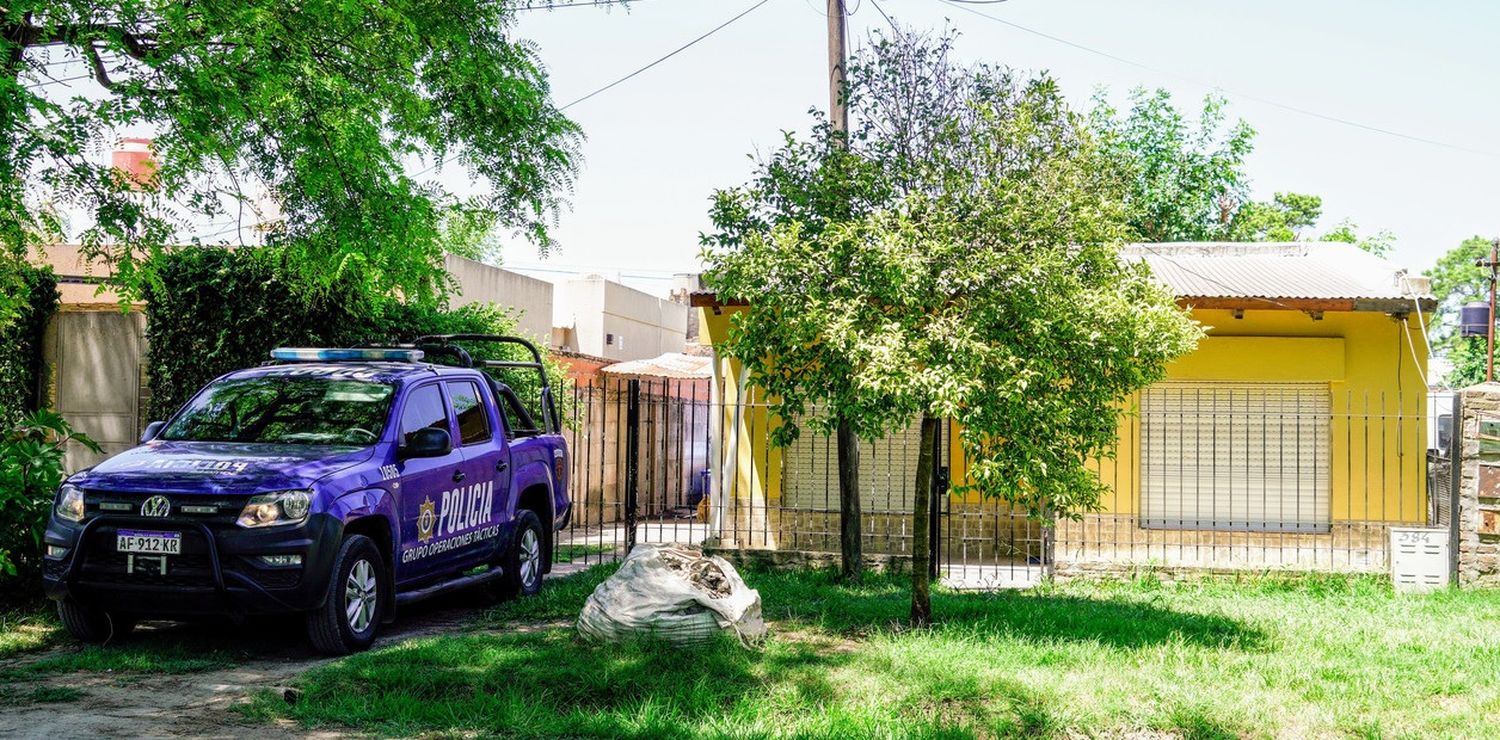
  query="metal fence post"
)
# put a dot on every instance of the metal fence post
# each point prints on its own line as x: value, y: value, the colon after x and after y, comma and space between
x: 632, y: 459
x: 1455, y: 484
x: 939, y: 489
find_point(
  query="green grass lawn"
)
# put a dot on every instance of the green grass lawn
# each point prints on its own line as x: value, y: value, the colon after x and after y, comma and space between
x: 1322, y: 656
x: 26, y: 627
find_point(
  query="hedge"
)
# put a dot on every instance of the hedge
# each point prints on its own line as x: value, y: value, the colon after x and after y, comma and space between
x: 21, y: 365
x: 215, y: 310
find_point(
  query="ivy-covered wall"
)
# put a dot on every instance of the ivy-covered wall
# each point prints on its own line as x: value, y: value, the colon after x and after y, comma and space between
x: 216, y: 310
x: 21, y: 347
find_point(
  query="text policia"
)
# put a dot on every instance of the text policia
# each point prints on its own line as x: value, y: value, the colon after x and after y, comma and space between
x: 453, y: 522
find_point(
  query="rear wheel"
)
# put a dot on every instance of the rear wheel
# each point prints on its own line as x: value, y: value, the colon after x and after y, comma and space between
x: 356, y: 599
x: 523, y: 560
x: 89, y: 624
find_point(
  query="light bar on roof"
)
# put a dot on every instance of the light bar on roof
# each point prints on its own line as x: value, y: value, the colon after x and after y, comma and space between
x: 320, y: 354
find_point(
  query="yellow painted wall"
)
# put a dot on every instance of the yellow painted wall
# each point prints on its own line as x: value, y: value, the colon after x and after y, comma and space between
x: 1374, y: 375
x: 750, y: 517
x: 1378, y: 446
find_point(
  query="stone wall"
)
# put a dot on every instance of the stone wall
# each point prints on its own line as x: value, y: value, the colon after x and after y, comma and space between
x: 1101, y: 542
x: 1479, y: 487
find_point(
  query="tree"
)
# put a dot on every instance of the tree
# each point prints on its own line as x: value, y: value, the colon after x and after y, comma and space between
x: 1379, y: 244
x: 813, y: 186
x: 978, y: 278
x: 316, y: 105
x: 1456, y: 280
x: 1187, y: 182
x: 1283, y: 219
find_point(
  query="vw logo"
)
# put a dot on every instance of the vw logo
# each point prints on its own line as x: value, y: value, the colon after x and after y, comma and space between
x: 156, y: 506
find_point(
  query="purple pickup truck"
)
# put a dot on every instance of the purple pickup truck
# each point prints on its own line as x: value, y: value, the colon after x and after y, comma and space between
x: 335, y: 483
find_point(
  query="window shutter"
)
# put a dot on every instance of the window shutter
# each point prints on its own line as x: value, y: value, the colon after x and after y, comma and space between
x: 887, y: 471
x: 1236, y: 456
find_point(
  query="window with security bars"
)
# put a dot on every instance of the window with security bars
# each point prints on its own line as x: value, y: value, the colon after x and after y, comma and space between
x: 887, y: 471
x: 1236, y: 456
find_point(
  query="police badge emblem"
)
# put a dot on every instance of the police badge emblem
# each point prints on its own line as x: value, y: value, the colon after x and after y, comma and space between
x: 426, y: 521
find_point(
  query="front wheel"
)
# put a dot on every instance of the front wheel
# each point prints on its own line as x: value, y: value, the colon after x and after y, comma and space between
x: 87, y: 624
x: 523, y: 560
x: 356, y: 599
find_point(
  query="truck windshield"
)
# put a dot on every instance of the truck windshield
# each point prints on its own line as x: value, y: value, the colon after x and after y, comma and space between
x: 283, y: 410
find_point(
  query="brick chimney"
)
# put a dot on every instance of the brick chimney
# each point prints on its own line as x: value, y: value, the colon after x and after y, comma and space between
x: 132, y: 157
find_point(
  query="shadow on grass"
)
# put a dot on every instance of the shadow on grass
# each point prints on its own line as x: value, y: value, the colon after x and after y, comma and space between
x: 549, y: 683
x: 818, y: 677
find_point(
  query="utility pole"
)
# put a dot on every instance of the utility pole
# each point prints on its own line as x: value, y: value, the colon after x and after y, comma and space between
x: 838, y: 112
x: 1494, y: 265
x: 851, y: 548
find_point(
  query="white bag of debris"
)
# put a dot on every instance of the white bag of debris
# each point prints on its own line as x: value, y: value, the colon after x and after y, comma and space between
x: 673, y: 593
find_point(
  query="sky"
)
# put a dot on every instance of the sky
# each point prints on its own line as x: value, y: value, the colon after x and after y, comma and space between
x: 660, y: 143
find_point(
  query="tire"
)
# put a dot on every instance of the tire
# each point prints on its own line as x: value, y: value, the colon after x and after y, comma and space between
x: 339, y: 627
x: 523, y: 561
x: 92, y: 625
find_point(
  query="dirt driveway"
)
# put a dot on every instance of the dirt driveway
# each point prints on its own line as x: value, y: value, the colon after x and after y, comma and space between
x: 199, y: 704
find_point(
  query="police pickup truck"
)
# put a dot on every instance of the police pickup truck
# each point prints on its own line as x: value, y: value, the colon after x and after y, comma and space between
x: 335, y: 483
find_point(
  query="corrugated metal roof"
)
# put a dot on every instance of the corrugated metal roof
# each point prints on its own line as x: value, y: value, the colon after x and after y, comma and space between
x: 669, y: 365
x: 1278, y: 270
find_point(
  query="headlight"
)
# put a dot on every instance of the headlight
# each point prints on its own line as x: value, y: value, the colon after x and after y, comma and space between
x: 267, y: 509
x: 70, y: 503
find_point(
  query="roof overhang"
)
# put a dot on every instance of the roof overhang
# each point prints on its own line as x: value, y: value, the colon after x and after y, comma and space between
x: 1372, y: 305
x: 709, y: 299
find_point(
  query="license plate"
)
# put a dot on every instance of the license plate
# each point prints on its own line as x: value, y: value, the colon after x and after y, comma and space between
x: 148, y: 543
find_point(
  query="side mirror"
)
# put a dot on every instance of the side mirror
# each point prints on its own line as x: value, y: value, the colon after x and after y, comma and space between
x: 427, y: 442
x: 152, y: 429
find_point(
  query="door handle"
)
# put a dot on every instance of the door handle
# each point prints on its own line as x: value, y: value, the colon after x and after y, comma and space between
x: 458, y: 475
x: 502, y: 466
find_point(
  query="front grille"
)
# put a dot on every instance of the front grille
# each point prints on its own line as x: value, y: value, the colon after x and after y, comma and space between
x: 190, y: 569
x: 183, y: 571
x: 269, y: 578
x: 209, y: 509
x: 54, y: 568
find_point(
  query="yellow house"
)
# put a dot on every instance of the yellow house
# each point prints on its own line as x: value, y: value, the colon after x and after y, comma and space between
x: 1295, y: 435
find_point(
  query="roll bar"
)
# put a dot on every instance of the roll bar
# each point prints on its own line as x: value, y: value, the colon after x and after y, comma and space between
x: 434, y: 344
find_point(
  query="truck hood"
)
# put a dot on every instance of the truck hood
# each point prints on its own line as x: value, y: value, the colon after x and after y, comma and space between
x: 219, y: 468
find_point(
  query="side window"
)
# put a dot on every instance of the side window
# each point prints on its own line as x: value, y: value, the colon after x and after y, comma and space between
x: 473, y: 422
x: 424, y: 409
x: 520, y: 421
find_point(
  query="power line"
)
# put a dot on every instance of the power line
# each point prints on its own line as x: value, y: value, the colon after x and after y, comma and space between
x: 663, y: 275
x: 963, y: 5
x: 669, y: 55
x: 659, y: 60
x: 54, y: 81
x: 580, y: 4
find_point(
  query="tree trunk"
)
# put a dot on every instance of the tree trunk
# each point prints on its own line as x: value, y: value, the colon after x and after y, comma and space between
x: 853, y: 558
x: 921, y: 561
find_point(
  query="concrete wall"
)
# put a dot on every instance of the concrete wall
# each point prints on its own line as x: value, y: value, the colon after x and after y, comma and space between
x: 481, y: 283
x: 610, y: 320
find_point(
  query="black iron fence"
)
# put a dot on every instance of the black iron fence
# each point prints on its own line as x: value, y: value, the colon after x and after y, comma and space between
x: 1211, y: 475
x: 640, y: 462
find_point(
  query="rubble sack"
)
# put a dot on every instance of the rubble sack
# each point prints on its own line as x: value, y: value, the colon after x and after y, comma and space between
x: 673, y: 593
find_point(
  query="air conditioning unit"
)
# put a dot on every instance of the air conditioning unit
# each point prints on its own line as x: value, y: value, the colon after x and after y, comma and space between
x: 1420, y: 559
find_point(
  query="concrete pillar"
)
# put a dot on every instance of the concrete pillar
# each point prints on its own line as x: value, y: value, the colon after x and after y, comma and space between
x: 1478, y: 512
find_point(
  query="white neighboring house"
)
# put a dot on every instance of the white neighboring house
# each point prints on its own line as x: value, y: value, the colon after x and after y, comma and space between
x: 604, y: 318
